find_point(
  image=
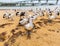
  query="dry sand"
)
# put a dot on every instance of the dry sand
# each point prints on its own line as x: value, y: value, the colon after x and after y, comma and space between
x: 46, y: 35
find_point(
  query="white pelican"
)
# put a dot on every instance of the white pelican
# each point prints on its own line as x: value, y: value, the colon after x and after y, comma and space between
x: 34, y: 17
x: 52, y: 16
x: 30, y: 25
x: 23, y: 21
x: 18, y: 13
x: 6, y: 15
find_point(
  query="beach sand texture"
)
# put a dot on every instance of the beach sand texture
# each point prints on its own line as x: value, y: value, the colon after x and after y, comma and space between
x: 45, y: 35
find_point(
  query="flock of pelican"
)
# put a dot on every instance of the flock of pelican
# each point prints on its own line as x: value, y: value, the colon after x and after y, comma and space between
x: 27, y: 21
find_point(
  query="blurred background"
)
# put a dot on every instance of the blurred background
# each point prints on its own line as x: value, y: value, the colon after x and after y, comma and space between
x: 21, y: 3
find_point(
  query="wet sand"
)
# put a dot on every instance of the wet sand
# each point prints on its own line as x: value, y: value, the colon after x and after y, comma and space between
x: 46, y: 35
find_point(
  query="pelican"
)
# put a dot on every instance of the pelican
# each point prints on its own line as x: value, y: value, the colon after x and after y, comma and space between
x: 6, y: 15
x: 11, y: 16
x: 53, y: 16
x: 18, y: 13
x: 30, y: 25
x: 41, y: 13
x: 34, y: 17
x: 23, y: 21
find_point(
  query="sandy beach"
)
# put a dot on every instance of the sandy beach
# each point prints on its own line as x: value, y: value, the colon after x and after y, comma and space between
x: 45, y: 35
